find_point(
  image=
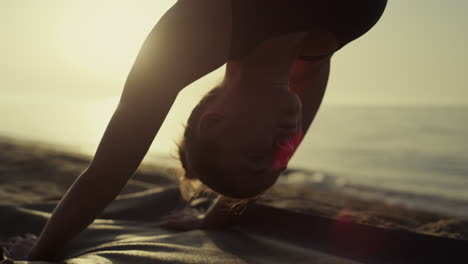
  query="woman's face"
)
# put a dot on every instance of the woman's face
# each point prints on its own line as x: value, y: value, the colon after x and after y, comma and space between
x: 256, y: 132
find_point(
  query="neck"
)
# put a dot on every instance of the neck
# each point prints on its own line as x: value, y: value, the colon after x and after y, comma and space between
x: 247, y: 75
x: 268, y: 66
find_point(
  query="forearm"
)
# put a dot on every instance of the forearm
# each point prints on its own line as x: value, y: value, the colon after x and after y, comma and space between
x: 78, y: 208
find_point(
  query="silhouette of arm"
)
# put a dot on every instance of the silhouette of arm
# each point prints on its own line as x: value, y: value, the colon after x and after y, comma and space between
x: 187, y: 43
x: 309, y: 80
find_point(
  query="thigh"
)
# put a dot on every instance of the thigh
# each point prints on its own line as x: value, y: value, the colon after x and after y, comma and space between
x: 189, y: 41
x: 318, y: 43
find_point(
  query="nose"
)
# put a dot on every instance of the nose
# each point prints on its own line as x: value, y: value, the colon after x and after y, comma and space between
x: 291, y: 104
x: 290, y: 110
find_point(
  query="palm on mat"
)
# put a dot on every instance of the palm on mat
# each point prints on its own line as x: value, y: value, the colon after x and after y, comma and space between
x: 184, y: 219
x: 18, y: 247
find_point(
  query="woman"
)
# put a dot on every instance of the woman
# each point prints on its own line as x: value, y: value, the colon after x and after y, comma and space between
x: 243, y: 132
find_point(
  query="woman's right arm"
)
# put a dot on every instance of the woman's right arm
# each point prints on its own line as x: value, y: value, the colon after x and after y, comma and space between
x: 189, y: 41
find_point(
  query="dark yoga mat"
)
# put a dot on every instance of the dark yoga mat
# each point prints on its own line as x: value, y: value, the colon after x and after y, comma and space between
x: 128, y: 232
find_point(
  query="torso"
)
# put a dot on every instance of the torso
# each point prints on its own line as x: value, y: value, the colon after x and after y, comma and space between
x: 329, y: 24
x: 272, y: 32
x: 274, y: 58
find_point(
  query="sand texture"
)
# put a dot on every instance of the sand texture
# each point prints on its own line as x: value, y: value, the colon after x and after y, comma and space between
x: 34, y: 177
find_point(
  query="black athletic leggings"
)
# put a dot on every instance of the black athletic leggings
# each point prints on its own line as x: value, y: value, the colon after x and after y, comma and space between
x: 257, y: 20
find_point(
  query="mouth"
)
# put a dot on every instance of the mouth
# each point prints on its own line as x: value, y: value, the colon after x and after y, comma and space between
x: 286, y: 147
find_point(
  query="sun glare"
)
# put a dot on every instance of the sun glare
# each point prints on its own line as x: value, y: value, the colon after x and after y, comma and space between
x: 103, y: 37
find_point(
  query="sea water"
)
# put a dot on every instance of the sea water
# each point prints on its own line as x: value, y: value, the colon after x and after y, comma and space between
x: 411, y: 155
x: 416, y: 156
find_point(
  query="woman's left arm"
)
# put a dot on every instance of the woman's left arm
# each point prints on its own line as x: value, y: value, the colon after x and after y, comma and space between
x: 188, y: 42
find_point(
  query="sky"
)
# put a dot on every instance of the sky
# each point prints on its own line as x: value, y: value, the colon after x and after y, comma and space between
x: 415, y: 54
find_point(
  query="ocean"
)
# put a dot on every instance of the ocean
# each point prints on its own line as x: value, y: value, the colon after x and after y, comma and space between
x: 414, y: 156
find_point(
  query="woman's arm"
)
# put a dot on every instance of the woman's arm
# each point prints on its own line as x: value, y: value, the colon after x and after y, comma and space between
x: 188, y: 42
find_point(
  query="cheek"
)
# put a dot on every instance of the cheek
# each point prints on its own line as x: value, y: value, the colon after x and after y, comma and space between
x: 284, y: 154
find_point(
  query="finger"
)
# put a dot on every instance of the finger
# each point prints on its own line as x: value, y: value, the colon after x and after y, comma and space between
x: 11, y: 239
x: 6, y: 252
x: 29, y: 235
x: 173, y: 216
x: 13, y: 242
x: 170, y: 225
x: 10, y: 243
x: 175, y: 219
x: 170, y: 222
x: 174, y: 226
x: 169, y: 217
x: 31, y: 239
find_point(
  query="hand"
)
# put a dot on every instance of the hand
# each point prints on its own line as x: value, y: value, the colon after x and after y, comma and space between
x: 184, y: 219
x: 18, y: 248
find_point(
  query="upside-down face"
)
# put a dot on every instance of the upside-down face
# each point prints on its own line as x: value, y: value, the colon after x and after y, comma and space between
x: 255, y: 134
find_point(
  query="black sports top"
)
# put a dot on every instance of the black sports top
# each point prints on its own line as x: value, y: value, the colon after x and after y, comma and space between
x: 254, y: 21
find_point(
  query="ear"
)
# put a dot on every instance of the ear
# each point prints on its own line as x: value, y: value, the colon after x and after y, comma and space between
x: 208, y: 122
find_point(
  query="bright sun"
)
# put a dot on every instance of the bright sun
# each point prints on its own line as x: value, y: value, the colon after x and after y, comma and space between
x: 103, y: 37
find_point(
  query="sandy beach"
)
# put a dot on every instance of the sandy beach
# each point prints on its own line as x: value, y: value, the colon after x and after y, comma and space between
x: 33, y: 178
x: 32, y: 172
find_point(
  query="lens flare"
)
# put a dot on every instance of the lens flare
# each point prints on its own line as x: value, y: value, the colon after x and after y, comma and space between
x: 284, y: 154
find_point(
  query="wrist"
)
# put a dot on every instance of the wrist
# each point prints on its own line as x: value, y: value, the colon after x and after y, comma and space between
x: 38, y: 254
